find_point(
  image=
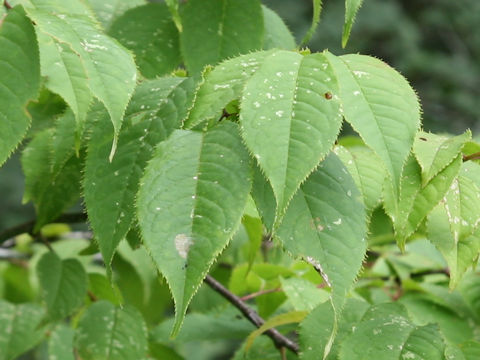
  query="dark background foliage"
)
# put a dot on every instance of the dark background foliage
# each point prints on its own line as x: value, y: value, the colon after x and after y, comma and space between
x: 435, y: 44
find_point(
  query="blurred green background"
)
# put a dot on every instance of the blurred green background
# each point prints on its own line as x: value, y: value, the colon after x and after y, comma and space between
x: 435, y: 44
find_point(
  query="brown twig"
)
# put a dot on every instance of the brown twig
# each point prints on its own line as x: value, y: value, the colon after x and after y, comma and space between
x: 7, y: 5
x: 28, y: 226
x: 278, y: 339
x: 474, y: 156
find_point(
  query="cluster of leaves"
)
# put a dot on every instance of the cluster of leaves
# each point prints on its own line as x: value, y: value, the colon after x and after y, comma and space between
x: 239, y: 147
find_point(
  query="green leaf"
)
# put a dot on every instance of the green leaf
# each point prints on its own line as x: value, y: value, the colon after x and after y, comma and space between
x: 150, y: 33
x: 19, y: 330
x: 219, y: 29
x: 201, y: 182
x: 303, y: 294
x: 469, y: 288
x: 103, y: 289
x: 19, y: 78
x: 454, y: 227
x: 254, y: 228
x: 63, y: 284
x: 217, y: 325
x: 52, y: 172
x: 425, y: 309
x: 285, y: 102
x: 282, y: 319
x: 416, y: 202
x: 435, y: 152
x: 471, y: 350
x: 325, y: 224
x: 380, y: 105
x: 173, y: 8
x: 276, y: 33
x: 155, y: 111
x: 367, y: 170
x: 76, y: 7
x: 317, y: 9
x: 108, y: 332
x: 108, y: 10
x: 60, y: 343
x: 110, y: 67
x: 351, y: 9
x: 264, y: 198
x: 222, y: 85
x: 65, y: 75
x: 386, y: 333
x: 317, y: 327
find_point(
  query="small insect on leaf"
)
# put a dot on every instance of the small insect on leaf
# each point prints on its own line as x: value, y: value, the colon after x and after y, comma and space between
x: 423, y: 139
x: 328, y: 95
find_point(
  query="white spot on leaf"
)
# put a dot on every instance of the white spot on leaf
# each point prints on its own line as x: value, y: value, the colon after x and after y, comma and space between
x: 182, y: 244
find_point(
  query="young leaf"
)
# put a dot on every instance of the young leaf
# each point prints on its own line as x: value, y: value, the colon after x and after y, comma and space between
x: 435, y: 152
x: 367, y: 170
x: 19, y: 330
x: 19, y: 78
x: 317, y: 9
x: 415, y: 202
x: 63, y: 284
x: 219, y: 29
x: 380, y: 105
x: 155, y: 111
x: 276, y: 33
x: 351, y: 9
x: 108, y: 10
x: 386, y: 333
x: 152, y: 36
x: 282, y: 319
x: 303, y: 294
x: 325, y: 224
x: 65, y: 75
x: 60, y: 343
x: 110, y: 67
x: 454, y: 227
x: 111, y: 333
x: 290, y: 119
x: 200, y: 181
x: 222, y: 85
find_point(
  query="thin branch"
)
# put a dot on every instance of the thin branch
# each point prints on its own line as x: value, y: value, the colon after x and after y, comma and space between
x: 7, y: 5
x: 474, y: 156
x: 278, y: 339
x: 269, y: 291
x: 259, y: 293
x: 28, y: 226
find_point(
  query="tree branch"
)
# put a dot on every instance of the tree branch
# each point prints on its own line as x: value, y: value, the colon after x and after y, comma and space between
x: 7, y: 5
x: 28, y: 226
x: 278, y: 339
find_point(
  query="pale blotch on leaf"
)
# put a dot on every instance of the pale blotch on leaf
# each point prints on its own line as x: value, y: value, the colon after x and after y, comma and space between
x: 182, y: 244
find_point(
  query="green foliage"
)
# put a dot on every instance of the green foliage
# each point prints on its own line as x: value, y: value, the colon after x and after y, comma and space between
x: 109, y: 332
x: 19, y: 78
x: 225, y: 157
x: 191, y: 179
x: 63, y: 283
